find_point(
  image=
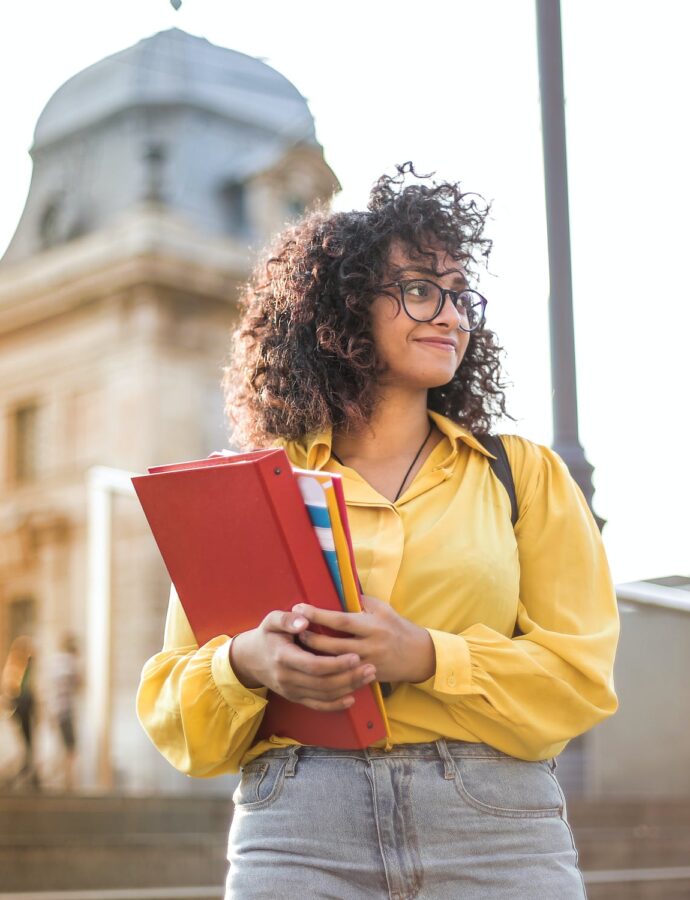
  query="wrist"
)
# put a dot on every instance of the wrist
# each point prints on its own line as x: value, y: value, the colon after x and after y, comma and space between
x: 240, y: 656
x: 422, y: 656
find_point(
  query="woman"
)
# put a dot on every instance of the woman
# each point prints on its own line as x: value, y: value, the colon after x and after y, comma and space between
x: 362, y: 349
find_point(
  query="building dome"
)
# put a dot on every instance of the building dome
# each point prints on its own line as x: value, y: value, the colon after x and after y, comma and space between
x: 210, y: 135
x: 173, y: 68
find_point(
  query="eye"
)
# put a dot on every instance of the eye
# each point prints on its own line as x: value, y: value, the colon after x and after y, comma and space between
x: 420, y: 290
x: 471, y: 306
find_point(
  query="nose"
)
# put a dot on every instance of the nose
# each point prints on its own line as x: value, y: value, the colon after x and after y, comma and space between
x: 448, y: 315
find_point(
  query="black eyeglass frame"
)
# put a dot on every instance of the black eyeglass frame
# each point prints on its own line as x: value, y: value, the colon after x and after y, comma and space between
x: 454, y: 299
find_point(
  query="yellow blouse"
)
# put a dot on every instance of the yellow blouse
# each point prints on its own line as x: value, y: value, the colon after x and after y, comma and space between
x: 446, y: 556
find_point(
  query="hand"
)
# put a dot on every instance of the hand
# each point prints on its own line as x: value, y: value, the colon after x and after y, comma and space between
x: 268, y: 656
x: 396, y: 647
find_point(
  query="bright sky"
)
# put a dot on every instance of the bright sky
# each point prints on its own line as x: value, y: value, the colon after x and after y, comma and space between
x: 454, y: 87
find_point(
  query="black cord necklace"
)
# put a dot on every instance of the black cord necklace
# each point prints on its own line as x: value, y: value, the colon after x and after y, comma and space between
x: 407, y: 474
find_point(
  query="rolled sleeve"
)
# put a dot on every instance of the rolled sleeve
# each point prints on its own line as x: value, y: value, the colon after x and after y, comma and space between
x: 453, y: 675
x: 235, y: 694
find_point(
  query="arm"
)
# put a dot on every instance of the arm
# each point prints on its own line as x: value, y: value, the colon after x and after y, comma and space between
x: 528, y: 695
x: 191, y: 704
x: 202, y: 706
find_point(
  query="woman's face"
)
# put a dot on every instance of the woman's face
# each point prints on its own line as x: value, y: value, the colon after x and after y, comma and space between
x: 418, y: 355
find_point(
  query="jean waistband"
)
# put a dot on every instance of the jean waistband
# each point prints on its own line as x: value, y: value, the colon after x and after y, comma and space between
x: 432, y: 750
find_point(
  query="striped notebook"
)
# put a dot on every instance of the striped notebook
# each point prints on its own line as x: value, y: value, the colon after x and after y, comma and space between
x: 314, y: 496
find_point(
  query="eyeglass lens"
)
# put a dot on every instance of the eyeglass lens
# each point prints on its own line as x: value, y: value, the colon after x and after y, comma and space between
x: 423, y: 300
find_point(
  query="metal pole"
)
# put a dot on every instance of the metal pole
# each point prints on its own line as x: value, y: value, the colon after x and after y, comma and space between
x: 563, y: 371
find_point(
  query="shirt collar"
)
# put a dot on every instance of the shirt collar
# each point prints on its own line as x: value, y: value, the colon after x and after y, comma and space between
x: 314, y: 451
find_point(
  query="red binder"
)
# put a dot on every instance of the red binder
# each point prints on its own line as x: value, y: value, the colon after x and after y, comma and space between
x: 237, y: 541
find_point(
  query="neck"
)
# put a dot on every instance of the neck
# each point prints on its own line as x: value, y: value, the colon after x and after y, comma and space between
x: 397, y: 427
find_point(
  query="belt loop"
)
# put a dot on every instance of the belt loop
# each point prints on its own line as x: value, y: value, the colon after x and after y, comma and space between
x: 291, y: 764
x: 448, y: 764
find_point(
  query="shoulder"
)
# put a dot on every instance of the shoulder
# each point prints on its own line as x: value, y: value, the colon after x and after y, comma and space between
x: 535, y: 467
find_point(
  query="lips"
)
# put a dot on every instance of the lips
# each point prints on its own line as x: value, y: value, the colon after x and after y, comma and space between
x: 440, y: 343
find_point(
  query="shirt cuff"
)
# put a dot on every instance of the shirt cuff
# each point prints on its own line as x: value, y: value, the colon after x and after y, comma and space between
x: 231, y: 688
x: 453, y: 665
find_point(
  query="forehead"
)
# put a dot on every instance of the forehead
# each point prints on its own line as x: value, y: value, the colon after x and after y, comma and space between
x: 434, y: 259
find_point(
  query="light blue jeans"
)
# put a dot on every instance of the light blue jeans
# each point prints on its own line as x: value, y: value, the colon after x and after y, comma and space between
x: 449, y: 820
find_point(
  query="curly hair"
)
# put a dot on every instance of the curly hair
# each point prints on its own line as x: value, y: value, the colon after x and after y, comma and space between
x: 303, y: 359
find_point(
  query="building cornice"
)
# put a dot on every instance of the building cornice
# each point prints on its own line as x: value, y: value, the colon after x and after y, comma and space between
x: 147, y: 245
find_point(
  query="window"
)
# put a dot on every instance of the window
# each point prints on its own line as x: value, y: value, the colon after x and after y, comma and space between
x: 25, y: 439
x: 50, y: 224
x: 295, y: 208
x: 234, y: 200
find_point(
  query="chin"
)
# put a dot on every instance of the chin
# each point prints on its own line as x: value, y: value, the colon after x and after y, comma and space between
x: 439, y: 379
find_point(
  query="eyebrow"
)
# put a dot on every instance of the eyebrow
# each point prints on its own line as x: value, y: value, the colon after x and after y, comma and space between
x: 459, y: 279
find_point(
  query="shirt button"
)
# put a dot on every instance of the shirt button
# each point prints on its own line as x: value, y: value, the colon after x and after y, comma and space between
x: 451, y: 681
x: 248, y: 700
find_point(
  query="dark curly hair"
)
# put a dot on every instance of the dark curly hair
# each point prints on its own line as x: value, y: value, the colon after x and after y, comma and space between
x: 303, y: 358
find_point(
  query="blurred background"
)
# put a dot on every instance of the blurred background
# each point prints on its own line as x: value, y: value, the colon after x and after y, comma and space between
x: 148, y: 155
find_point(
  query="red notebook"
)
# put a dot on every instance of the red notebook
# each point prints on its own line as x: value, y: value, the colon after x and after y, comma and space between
x: 237, y: 541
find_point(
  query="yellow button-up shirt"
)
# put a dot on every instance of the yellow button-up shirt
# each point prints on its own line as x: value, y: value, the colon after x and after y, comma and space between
x: 524, y: 621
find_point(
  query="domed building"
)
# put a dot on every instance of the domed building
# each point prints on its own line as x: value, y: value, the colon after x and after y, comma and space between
x: 158, y: 173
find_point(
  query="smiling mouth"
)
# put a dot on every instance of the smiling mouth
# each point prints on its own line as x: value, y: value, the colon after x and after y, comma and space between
x: 439, y: 344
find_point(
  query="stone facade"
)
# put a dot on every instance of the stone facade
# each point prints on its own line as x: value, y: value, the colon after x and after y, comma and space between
x: 112, y: 341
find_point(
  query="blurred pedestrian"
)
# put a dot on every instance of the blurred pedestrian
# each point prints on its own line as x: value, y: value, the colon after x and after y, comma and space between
x: 64, y: 682
x: 17, y: 687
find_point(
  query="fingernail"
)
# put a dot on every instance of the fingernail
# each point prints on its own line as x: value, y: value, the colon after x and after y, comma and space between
x: 348, y: 701
x: 369, y: 678
x: 299, y: 622
x: 368, y: 670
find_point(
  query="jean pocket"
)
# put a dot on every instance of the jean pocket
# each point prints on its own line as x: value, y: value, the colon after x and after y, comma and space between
x: 260, y: 785
x: 505, y: 786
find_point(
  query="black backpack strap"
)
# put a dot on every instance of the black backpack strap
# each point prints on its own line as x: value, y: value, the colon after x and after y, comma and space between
x: 501, y: 469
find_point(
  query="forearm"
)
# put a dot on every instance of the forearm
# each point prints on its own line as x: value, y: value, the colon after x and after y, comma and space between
x: 526, y: 695
x: 195, y: 711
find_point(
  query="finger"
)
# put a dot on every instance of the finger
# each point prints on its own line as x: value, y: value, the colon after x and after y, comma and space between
x: 351, y: 623
x: 293, y: 657
x: 285, y: 622
x: 324, y: 643
x: 330, y: 706
x: 332, y: 687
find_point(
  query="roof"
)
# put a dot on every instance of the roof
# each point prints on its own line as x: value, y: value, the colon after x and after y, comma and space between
x: 175, y: 121
x: 175, y: 68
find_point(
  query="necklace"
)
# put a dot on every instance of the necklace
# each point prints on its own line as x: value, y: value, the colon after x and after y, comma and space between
x: 407, y: 474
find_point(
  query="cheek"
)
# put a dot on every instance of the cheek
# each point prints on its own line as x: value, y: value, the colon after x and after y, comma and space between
x: 385, y: 317
x: 463, y: 344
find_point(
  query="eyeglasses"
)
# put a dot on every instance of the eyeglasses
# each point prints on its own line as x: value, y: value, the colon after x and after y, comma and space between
x: 423, y: 300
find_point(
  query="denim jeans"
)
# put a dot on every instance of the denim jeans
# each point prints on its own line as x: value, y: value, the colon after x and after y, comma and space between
x: 450, y: 819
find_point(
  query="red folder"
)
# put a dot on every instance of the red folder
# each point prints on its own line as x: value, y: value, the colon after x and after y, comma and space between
x: 237, y: 541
